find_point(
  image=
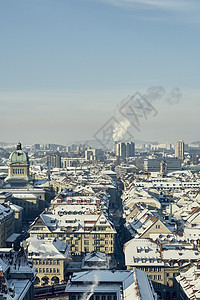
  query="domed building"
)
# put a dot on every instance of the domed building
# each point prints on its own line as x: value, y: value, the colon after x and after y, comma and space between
x: 22, y: 189
x: 18, y: 168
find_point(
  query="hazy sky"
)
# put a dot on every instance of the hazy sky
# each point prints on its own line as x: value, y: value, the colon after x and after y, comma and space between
x: 66, y: 64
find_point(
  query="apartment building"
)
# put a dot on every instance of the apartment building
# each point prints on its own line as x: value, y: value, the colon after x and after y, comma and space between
x: 50, y: 257
x: 110, y: 285
x: 162, y: 259
x: 17, y: 275
x: 83, y: 227
x: 7, y: 220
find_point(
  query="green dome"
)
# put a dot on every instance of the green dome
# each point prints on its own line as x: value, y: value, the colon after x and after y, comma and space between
x: 18, y: 155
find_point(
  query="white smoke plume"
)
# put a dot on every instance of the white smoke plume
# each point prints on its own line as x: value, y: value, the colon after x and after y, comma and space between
x: 152, y: 95
x: 87, y: 295
x: 120, y: 129
x: 158, y: 93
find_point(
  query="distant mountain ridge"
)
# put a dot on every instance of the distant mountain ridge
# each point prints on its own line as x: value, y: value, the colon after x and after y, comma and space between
x: 4, y: 143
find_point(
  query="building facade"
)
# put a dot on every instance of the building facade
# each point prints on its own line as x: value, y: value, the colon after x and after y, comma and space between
x: 180, y: 149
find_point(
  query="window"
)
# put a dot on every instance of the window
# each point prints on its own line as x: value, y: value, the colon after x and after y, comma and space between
x: 106, y: 242
x: 86, y: 242
x: 155, y: 277
x: 157, y: 226
x: 159, y: 277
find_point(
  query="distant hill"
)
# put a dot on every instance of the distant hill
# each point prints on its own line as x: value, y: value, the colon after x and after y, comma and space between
x: 97, y: 144
x: 196, y: 143
x: 4, y: 143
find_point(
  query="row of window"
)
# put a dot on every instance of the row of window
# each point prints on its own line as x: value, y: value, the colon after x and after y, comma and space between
x: 48, y: 270
x: 149, y: 269
x: 86, y: 249
x: 96, y: 242
x: 18, y: 171
x: 155, y: 277
x: 95, y: 297
x: 47, y: 262
x: 144, y: 260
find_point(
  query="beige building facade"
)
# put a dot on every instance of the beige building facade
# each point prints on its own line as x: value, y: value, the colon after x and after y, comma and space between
x: 85, y: 232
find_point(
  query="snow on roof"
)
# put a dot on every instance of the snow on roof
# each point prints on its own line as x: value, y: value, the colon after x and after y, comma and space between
x: 144, y: 286
x: 135, y: 284
x: 57, y: 221
x: 16, y: 207
x: 5, y: 211
x: 21, y: 287
x: 27, y: 196
x: 181, y: 254
x: 98, y: 256
x: 190, y: 282
x: 142, y: 252
x: 12, y: 237
x: 47, y: 247
x: 4, y: 266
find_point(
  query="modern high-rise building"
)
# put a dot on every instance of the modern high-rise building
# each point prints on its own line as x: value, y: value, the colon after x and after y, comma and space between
x: 36, y: 147
x: 125, y: 150
x: 54, y: 161
x: 179, y: 149
x: 154, y: 164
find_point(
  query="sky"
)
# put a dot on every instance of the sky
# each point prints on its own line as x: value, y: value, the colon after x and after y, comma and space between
x: 65, y: 65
